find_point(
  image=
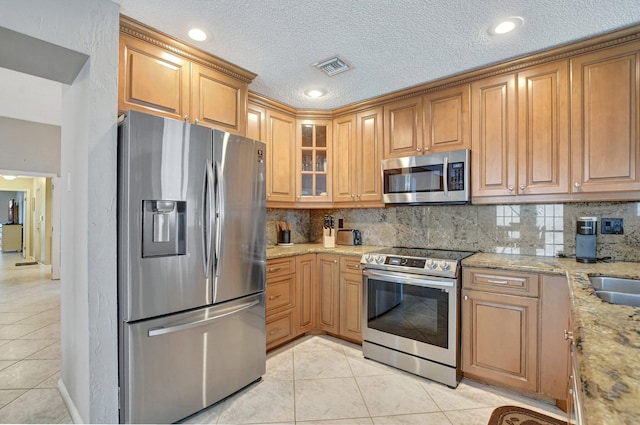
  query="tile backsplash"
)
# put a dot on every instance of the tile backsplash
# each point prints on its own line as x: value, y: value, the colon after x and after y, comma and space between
x: 528, y: 229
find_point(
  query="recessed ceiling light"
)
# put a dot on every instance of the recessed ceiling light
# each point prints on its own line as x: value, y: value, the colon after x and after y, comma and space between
x: 9, y: 177
x: 197, y: 34
x: 506, y: 25
x: 314, y: 93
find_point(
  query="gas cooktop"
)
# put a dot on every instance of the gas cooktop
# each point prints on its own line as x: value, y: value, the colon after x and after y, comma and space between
x: 436, y: 262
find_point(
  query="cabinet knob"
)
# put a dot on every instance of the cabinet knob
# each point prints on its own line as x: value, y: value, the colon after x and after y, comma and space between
x: 353, y: 195
x: 335, y: 261
x: 197, y: 121
x: 577, y: 184
x: 568, y: 335
x: 466, y: 297
x: 268, y: 195
x: 522, y: 187
x: 427, y: 148
x: 299, y: 197
x: 186, y: 117
x: 510, y: 187
x: 419, y: 149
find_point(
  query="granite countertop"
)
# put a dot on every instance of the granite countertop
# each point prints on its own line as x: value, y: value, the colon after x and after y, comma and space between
x: 278, y: 251
x: 607, y: 336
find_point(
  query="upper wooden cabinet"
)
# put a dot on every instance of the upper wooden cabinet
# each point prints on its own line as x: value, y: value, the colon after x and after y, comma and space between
x: 152, y: 80
x: 403, y: 128
x: 356, y: 160
x: 446, y: 120
x: 520, y: 134
x: 281, y: 145
x: 161, y: 75
x: 256, y: 122
x: 313, y: 163
x: 605, y: 104
x: 494, y: 144
x: 218, y: 100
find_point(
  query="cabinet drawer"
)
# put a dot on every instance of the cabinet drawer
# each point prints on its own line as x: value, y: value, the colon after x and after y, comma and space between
x: 280, y: 266
x: 350, y: 265
x: 280, y: 292
x: 279, y: 329
x: 504, y: 282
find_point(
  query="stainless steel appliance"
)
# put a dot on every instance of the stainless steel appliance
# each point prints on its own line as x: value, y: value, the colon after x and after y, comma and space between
x: 348, y: 237
x: 440, y: 178
x: 586, y: 235
x: 191, y: 266
x: 411, y: 311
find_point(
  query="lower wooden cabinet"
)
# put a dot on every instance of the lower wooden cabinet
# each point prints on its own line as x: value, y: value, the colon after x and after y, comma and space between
x: 281, y: 301
x: 513, y: 328
x: 280, y: 328
x: 305, y: 293
x: 351, y: 298
x: 329, y: 293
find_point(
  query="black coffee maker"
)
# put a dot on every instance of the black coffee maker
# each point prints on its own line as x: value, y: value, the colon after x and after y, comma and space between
x: 586, y: 228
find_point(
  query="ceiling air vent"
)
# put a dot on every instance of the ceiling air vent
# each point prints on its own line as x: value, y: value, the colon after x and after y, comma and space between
x: 333, y: 66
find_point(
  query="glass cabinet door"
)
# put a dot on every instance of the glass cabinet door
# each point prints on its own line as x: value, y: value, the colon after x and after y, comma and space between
x: 314, y: 154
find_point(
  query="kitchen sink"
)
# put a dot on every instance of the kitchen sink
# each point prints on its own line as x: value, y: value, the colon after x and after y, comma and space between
x: 616, y: 290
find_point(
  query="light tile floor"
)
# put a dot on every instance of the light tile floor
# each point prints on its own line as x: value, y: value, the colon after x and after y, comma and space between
x: 29, y: 344
x: 314, y: 380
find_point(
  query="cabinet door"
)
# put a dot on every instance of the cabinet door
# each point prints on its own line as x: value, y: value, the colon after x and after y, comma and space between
x: 281, y: 143
x: 500, y: 338
x: 305, y: 298
x: 403, y: 128
x: 218, y: 100
x: 493, y: 136
x: 368, y: 155
x: 328, y: 293
x: 605, y: 120
x: 344, y: 161
x: 256, y: 122
x: 152, y: 80
x: 314, y: 139
x: 446, y: 120
x: 554, y: 348
x: 543, y: 129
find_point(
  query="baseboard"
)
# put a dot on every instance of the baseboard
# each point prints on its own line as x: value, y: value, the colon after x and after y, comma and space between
x: 71, y: 407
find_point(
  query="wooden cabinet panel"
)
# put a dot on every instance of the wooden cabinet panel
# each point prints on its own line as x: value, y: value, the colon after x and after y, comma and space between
x: 328, y: 292
x: 403, y: 128
x: 280, y: 293
x: 152, y: 80
x: 368, y: 156
x: 279, y: 329
x: 605, y: 120
x: 217, y: 100
x: 314, y: 161
x: 446, y: 120
x: 543, y: 129
x: 494, y: 132
x: 351, y: 298
x: 281, y: 142
x: 344, y: 159
x: 256, y: 122
x: 280, y: 266
x: 554, y: 348
x: 501, y: 281
x: 306, y: 296
x: 499, y: 338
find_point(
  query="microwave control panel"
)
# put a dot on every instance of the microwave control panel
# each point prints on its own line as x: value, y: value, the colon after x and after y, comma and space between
x: 456, y: 176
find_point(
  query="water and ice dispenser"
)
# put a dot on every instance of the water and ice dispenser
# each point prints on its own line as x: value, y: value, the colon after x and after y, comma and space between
x: 586, y: 230
x: 164, y: 228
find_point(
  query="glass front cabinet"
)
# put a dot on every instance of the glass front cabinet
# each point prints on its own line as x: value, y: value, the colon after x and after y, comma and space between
x: 314, y: 161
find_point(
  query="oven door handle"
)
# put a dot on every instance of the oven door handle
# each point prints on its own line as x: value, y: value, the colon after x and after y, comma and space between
x: 411, y: 279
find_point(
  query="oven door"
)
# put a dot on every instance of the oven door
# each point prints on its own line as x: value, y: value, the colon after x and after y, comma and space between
x: 411, y: 313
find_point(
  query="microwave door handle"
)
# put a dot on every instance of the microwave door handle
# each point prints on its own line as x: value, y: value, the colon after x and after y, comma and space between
x: 445, y: 175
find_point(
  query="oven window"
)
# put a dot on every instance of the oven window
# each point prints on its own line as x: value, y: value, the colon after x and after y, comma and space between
x: 409, y: 311
x: 428, y: 178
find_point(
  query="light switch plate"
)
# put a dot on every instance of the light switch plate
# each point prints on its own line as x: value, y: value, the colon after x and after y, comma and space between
x: 612, y: 226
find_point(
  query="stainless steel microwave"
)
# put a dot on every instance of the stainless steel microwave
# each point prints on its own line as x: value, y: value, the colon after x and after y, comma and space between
x: 439, y: 178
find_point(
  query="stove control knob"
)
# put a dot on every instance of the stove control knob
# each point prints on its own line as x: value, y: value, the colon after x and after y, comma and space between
x: 445, y: 266
x: 432, y: 264
x: 368, y: 259
x: 379, y: 259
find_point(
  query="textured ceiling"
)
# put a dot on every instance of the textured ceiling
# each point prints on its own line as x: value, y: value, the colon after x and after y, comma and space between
x: 392, y: 45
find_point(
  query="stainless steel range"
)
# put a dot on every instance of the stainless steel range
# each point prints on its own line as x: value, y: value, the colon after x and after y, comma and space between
x: 411, y: 311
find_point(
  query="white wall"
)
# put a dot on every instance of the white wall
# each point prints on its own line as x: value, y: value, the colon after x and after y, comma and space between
x: 88, y: 159
x: 30, y: 98
x: 39, y: 144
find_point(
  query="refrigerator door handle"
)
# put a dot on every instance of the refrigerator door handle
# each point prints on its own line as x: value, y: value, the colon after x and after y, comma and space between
x: 207, y: 214
x: 219, y: 193
x: 182, y: 327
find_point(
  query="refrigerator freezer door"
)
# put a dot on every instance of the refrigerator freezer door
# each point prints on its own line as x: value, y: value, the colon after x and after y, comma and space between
x: 240, y: 210
x: 162, y: 237
x: 180, y: 364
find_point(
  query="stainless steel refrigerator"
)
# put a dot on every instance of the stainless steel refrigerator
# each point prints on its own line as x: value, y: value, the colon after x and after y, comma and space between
x: 191, y: 266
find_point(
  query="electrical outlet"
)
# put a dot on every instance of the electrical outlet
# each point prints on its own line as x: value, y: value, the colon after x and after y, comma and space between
x: 612, y: 226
